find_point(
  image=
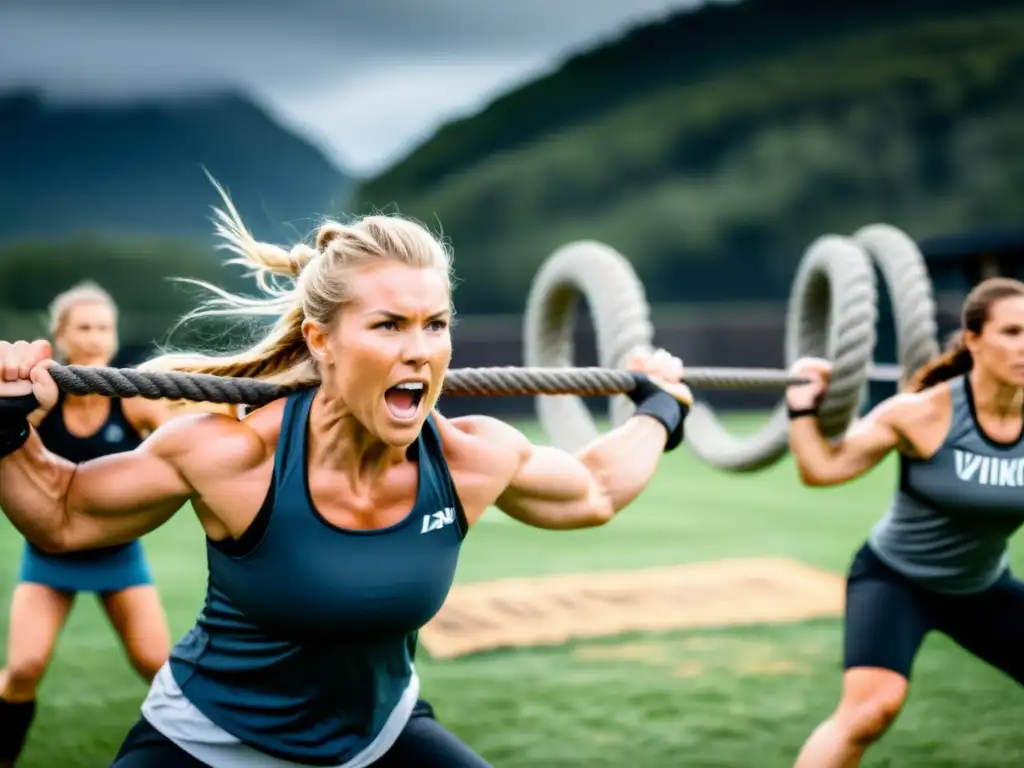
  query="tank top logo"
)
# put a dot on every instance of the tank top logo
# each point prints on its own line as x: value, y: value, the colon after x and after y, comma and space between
x: 438, y: 520
x: 989, y: 470
x: 113, y: 434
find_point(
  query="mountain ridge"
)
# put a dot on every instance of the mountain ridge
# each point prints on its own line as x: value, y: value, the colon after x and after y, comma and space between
x: 137, y: 168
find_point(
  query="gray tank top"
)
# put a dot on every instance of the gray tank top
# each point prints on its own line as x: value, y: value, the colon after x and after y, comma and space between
x: 950, y: 520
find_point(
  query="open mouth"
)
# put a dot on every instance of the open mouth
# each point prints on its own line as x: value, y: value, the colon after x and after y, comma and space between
x: 403, y: 400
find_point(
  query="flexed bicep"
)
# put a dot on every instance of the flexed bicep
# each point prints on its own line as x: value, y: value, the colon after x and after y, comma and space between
x: 118, y: 498
x: 555, y: 490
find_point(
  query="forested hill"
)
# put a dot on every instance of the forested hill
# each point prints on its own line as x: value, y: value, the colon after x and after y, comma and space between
x: 712, y: 147
x: 137, y: 169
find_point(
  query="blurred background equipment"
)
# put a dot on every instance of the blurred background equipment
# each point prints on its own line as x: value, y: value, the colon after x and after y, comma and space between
x: 832, y: 312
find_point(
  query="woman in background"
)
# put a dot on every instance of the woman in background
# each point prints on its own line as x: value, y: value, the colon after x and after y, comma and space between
x: 83, y: 324
x: 938, y: 558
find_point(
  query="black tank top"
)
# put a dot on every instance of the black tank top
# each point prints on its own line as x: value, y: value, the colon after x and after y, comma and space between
x: 303, y: 648
x: 114, y: 436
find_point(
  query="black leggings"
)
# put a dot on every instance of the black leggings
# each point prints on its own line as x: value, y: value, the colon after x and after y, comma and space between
x: 888, y: 615
x: 424, y: 744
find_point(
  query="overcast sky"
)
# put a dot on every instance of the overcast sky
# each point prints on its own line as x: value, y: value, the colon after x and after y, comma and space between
x: 365, y: 79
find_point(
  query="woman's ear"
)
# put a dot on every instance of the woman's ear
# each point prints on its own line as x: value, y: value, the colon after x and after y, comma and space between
x: 316, y: 340
x: 970, y: 341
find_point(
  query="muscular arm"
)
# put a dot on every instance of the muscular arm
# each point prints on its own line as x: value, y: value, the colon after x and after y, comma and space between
x: 823, y: 463
x: 551, y: 488
x: 60, y: 506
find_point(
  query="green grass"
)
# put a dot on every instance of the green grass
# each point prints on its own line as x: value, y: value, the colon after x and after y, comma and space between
x: 743, y: 697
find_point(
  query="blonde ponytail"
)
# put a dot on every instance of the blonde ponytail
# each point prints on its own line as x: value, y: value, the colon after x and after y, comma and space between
x: 281, y: 357
x: 300, y: 283
x: 263, y: 260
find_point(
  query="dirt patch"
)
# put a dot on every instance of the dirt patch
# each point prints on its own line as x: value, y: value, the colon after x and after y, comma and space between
x: 694, y: 656
x: 515, y: 613
x: 688, y: 669
x: 771, y: 667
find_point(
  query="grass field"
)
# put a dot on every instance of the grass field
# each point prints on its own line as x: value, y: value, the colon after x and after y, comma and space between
x: 715, y: 698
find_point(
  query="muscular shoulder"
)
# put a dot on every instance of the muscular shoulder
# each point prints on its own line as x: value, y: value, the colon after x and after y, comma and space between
x: 204, y: 444
x: 473, y: 440
x: 921, y: 418
x: 912, y: 407
x: 482, y: 451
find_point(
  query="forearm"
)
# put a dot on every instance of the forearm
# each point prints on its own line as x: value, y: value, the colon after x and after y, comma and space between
x: 624, y: 460
x: 33, y: 489
x: 819, y: 461
x: 812, y: 452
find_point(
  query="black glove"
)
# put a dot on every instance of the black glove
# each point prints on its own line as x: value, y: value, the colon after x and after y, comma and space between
x: 652, y: 400
x: 14, y: 428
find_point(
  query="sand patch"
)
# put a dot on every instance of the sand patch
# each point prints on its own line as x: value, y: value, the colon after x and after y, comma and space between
x: 552, y: 610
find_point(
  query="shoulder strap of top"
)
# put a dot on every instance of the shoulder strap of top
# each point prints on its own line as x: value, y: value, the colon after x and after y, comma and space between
x: 116, y: 407
x: 117, y: 413
x: 432, y: 451
x: 53, y: 425
x: 960, y: 395
x: 430, y: 434
x: 290, y: 454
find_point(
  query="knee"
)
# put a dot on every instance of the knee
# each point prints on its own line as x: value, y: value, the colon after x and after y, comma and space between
x: 147, y: 661
x: 864, y: 718
x: 23, y: 674
x: 146, y: 654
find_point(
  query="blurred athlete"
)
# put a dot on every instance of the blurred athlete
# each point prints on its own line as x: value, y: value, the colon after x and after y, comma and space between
x: 83, y: 324
x: 938, y: 559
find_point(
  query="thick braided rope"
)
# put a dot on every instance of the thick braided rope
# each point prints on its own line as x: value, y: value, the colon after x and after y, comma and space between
x: 498, y: 381
x: 832, y: 313
x: 910, y: 292
x: 128, y: 382
x: 621, y: 320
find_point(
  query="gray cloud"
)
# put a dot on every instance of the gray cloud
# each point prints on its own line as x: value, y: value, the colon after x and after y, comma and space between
x: 388, y: 26
x: 365, y: 78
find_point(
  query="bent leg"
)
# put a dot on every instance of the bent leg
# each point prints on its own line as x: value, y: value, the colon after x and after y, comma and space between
x: 426, y: 743
x: 871, y: 700
x: 886, y: 621
x: 139, y: 619
x: 37, y: 615
x: 989, y: 625
x: 146, y: 747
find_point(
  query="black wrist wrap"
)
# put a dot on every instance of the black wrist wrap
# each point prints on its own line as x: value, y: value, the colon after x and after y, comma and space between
x: 651, y: 400
x: 799, y: 413
x: 14, y: 428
